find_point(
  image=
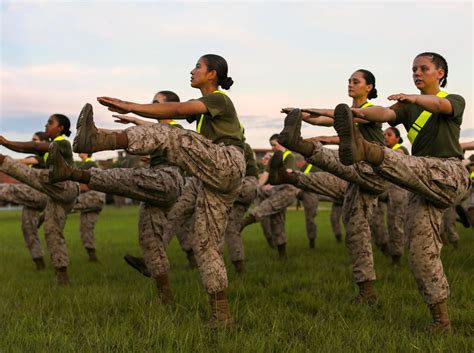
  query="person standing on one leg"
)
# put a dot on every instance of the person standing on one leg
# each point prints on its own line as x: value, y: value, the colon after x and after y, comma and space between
x: 61, y: 195
x: 310, y: 201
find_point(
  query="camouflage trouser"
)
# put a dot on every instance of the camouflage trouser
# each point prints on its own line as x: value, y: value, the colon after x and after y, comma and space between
x: 90, y: 204
x: 33, y: 202
x: 218, y: 170
x: 179, y: 222
x: 232, y: 233
x: 336, y: 214
x: 378, y: 226
x: 159, y: 186
x: 436, y: 184
x: 448, y: 225
x: 322, y: 183
x: 396, y: 216
x: 61, y: 198
x: 273, y: 204
x: 310, y: 203
x: 359, y: 200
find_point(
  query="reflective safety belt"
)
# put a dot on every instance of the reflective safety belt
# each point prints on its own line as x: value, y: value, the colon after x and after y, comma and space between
x: 173, y: 122
x: 201, y: 119
x: 472, y: 174
x: 286, y: 154
x: 422, y: 120
x: 88, y: 159
x: 308, y: 169
x: 46, y: 155
x: 396, y: 147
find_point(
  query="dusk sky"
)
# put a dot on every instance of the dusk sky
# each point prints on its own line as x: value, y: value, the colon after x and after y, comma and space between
x: 56, y: 56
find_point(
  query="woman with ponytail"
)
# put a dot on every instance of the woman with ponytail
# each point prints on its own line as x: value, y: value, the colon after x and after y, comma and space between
x: 213, y: 156
x: 61, y: 195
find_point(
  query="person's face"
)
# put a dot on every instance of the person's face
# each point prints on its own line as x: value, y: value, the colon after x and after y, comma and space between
x: 425, y: 73
x: 52, y: 128
x: 357, y: 86
x: 275, y: 145
x: 83, y: 156
x: 200, y: 74
x: 159, y: 98
x: 390, y: 138
x: 35, y: 138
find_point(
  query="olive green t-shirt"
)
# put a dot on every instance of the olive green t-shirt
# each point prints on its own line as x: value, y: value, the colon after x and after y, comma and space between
x: 251, y: 163
x: 372, y: 131
x: 40, y: 159
x: 221, y: 124
x: 289, y: 161
x: 65, y: 150
x: 440, y: 135
x: 159, y: 157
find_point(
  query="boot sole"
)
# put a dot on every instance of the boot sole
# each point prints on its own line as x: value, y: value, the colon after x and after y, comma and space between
x: 81, y: 141
x: 131, y: 261
x: 53, y: 155
x: 291, y: 129
x: 343, y: 123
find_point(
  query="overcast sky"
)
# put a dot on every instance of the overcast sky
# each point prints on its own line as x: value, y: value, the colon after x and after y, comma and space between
x: 56, y: 56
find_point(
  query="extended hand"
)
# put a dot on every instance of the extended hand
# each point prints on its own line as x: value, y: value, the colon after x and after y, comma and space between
x: 313, y: 112
x: 286, y: 110
x: 3, y: 140
x: 115, y: 105
x: 123, y: 119
x: 403, y: 98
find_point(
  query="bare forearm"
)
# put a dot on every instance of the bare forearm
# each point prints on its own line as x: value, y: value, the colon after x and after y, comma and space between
x: 319, y: 120
x: 27, y: 147
x: 434, y: 104
x: 467, y: 146
x: 376, y: 114
x: 262, y: 180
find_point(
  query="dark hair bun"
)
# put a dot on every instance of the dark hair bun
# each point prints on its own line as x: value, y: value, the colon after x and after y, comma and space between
x: 372, y: 94
x: 227, y: 83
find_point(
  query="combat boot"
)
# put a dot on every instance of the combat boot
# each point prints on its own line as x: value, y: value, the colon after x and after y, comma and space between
x: 441, y: 323
x: 239, y: 266
x: 282, y: 251
x: 59, y: 170
x: 61, y: 276
x: 92, y: 255
x: 89, y: 139
x: 278, y: 174
x: 40, y: 265
x: 352, y: 146
x: 220, y: 313
x: 138, y: 264
x: 396, y: 259
x: 164, y: 290
x: 366, y: 294
x: 312, y: 243
x: 290, y: 136
x: 191, y: 259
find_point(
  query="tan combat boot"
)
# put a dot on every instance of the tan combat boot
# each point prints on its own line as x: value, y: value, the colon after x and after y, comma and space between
x: 40, y: 265
x: 247, y: 220
x: 88, y: 139
x: 441, y: 323
x: 366, y: 294
x: 220, y: 313
x: 61, y: 276
x: 191, y: 259
x: 138, y: 264
x: 290, y: 136
x: 352, y: 146
x: 59, y: 170
x: 92, y: 255
x: 282, y: 251
x: 164, y: 290
x: 278, y: 174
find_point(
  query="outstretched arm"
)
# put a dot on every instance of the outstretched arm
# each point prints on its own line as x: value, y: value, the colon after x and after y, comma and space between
x: 429, y: 102
x: 467, y: 146
x: 125, y: 119
x: 155, y: 111
x: 24, y: 147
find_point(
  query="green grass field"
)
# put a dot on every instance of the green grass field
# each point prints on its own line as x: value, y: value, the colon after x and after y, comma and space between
x: 299, y: 305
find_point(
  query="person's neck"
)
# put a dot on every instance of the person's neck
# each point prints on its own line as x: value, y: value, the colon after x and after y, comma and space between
x: 358, y: 101
x: 205, y: 90
x: 430, y: 90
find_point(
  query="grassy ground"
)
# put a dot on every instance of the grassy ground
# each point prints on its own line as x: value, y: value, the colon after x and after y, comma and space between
x: 301, y: 305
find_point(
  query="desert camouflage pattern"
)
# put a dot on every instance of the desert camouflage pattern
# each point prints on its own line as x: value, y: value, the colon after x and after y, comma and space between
x: 396, y: 219
x: 378, y: 226
x: 310, y: 202
x: 448, y: 225
x: 218, y: 171
x: 61, y: 199
x: 335, y: 218
x: 272, y: 205
x: 322, y: 183
x: 232, y: 236
x: 435, y: 184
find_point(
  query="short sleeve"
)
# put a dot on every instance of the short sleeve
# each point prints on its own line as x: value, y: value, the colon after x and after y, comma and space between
x: 401, y: 115
x: 215, y: 103
x: 290, y: 162
x: 458, y: 103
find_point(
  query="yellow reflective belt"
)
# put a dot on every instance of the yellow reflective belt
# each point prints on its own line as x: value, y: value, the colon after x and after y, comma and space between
x: 286, y: 154
x: 472, y: 174
x: 308, y: 168
x: 366, y: 104
x: 421, y: 120
x: 396, y: 147
x: 201, y: 119
x: 88, y: 159
x: 172, y: 122
x: 58, y: 138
